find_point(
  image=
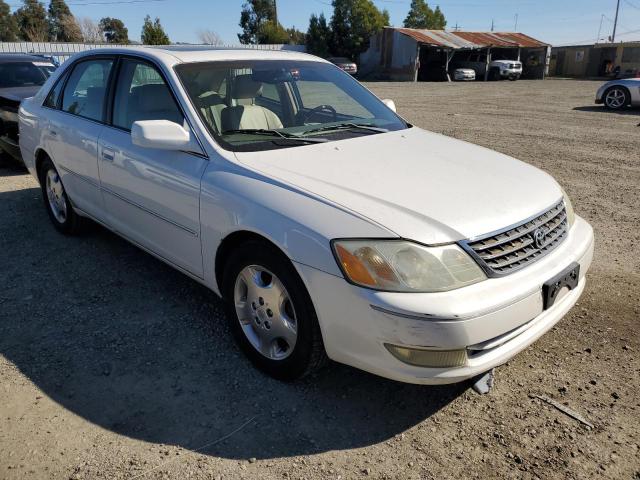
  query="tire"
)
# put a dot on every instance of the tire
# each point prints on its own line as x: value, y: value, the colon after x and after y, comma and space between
x: 255, y: 274
x: 616, y: 98
x: 513, y: 78
x: 61, y: 212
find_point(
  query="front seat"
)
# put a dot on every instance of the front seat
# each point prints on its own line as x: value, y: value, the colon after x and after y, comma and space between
x: 248, y: 116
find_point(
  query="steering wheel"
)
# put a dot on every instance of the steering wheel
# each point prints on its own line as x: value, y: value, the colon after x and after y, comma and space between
x: 318, y: 109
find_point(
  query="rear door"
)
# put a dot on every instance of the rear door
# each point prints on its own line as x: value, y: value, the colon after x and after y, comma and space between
x: 75, y: 121
x: 152, y: 196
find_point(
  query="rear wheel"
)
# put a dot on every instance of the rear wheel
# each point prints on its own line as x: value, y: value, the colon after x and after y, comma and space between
x: 59, y: 208
x: 616, y: 98
x: 270, y: 312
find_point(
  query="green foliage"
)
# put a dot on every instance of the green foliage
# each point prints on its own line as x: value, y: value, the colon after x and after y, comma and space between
x: 352, y: 25
x: 114, y: 30
x: 32, y: 22
x: 58, y: 11
x: 8, y: 24
x: 153, y: 33
x: 296, y: 37
x: 254, y: 14
x: 271, y: 32
x: 422, y: 16
x: 318, y: 36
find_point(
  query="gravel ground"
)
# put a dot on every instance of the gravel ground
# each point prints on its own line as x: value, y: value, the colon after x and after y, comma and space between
x: 113, y: 365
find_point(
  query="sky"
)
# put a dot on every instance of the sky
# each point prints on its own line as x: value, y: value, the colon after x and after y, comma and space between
x: 559, y: 22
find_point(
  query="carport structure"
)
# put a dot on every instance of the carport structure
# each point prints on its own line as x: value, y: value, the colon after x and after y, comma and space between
x: 411, y: 54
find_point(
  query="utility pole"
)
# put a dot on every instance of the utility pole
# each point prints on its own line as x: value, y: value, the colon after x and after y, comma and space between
x: 492, y: 23
x: 615, y: 23
x: 515, y: 27
x: 456, y: 28
x: 275, y: 10
x: 600, y: 28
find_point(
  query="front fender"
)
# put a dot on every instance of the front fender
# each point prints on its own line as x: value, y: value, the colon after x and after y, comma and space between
x: 234, y: 199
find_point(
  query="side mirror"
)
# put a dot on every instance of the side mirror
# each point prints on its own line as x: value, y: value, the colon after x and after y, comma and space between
x: 160, y: 134
x: 390, y: 103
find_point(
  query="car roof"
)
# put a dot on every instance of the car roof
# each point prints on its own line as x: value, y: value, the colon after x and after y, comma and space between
x: 172, y: 54
x: 20, y: 57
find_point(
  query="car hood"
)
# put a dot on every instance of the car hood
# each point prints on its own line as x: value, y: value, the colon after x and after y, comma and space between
x: 17, y: 94
x: 420, y: 185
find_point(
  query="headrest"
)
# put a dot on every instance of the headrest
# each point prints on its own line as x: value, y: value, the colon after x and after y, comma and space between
x: 154, y: 98
x: 245, y: 87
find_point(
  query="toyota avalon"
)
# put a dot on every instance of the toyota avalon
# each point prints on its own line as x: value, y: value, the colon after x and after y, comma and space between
x: 330, y: 226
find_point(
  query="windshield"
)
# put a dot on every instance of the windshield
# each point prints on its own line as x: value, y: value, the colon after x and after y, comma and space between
x: 24, y: 74
x: 261, y: 105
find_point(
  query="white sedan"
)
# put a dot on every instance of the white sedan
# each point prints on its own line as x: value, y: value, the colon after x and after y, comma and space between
x: 330, y: 227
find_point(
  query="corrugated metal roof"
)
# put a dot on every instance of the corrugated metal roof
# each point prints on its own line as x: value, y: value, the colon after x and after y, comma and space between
x: 464, y: 40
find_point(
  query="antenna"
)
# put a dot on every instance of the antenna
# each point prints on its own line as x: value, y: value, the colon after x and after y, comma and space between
x: 600, y: 28
x: 515, y: 27
x: 492, y: 23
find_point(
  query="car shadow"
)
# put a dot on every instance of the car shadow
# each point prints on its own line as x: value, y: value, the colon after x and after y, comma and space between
x: 602, y: 109
x: 125, y: 342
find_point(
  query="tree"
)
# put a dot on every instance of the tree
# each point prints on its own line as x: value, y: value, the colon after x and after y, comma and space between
x: 91, y: 31
x: 153, y: 33
x: 295, y: 36
x: 31, y: 18
x: 422, y: 16
x: 272, y: 33
x: 209, y: 37
x: 318, y: 36
x: 62, y: 25
x: 8, y: 25
x: 352, y: 25
x: 114, y: 30
x: 70, y: 30
x: 253, y: 15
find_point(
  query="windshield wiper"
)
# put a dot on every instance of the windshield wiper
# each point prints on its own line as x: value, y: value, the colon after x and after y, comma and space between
x: 347, y: 126
x: 273, y: 133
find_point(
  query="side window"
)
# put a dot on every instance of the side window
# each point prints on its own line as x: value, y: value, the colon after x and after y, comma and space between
x: 84, y: 94
x: 55, y: 93
x: 270, y: 92
x: 142, y: 94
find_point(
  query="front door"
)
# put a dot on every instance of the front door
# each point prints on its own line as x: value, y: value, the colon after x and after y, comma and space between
x: 152, y: 196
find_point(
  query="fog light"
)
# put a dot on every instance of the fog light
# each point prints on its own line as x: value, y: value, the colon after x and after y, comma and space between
x: 428, y: 358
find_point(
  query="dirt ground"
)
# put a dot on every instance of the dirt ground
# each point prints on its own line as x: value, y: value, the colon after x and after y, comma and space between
x: 113, y: 365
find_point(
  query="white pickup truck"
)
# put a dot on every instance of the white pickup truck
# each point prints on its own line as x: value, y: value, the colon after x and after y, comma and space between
x: 499, y: 69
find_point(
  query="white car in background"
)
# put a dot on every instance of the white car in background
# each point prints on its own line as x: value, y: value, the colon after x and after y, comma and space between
x: 329, y: 225
x: 464, y: 74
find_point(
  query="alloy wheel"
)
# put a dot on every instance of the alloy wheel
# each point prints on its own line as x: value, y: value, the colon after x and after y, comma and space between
x: 265, y: 312
x: 55, y: 195
x: 616, y: 98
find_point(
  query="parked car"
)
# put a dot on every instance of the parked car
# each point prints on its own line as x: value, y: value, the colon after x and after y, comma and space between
x: 619, y: 94
x: 498, y: 69
x: 345, y: 64
x: 464, y: 74
x: 21, y: 76
x: 329, y: 225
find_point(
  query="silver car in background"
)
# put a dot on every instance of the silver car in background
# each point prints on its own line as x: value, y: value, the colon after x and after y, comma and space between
x: 619, y: 94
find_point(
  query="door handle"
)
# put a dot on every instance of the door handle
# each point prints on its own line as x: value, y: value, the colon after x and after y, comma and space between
x: 108, y: 155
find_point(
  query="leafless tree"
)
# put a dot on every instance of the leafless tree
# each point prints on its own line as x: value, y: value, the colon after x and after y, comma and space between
x: 91, y: 31
x: 209, y: 37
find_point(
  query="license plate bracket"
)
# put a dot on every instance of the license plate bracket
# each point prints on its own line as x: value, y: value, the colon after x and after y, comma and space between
x: 569, y: 278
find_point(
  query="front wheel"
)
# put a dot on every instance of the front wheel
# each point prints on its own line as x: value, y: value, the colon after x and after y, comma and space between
x: 56, y: 201
x: 616, y: 98
x: 270, y: 312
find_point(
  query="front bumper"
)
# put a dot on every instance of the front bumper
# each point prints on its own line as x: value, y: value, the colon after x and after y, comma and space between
x: 510, y: 73
x: 498, y: 317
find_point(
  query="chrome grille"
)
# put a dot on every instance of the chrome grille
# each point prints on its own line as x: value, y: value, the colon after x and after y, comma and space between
x: 509, y: 250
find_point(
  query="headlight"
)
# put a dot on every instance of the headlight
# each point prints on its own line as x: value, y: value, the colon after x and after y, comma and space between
x: 402, y: 266
x: 571, y: 216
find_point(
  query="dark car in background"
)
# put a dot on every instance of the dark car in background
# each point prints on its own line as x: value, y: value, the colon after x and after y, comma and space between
x: 21, y: 76
x: 345, y: 64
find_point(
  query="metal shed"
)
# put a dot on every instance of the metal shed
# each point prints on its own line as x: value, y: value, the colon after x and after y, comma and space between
x: 410, y: 54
